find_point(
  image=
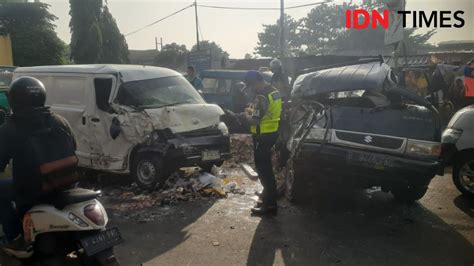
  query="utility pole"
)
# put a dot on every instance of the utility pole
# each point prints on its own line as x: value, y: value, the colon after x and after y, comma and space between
x: 197, y: 23
x: 156, y: 43
x: 161, y: 43
x: 282, y: 29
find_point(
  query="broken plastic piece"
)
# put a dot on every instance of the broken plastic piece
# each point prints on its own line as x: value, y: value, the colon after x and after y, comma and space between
x: 252, y: 175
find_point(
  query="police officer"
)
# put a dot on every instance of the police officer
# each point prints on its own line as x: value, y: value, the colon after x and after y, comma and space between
x: 264, y: 116
x: 30, y: 120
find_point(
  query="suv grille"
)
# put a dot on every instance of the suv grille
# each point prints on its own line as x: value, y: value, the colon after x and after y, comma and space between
x: 208, y: 131
x: 371, y: 140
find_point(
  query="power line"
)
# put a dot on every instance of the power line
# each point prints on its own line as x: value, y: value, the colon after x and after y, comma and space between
x: 155, y: 22
x: 223, y: 7
x: 263, y: 8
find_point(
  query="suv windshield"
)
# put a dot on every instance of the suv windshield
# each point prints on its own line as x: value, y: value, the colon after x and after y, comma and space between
x: 156, y: 93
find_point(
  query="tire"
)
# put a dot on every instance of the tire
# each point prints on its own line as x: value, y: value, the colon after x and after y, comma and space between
x: 463, y: 175
x: 409, y: 194
x: 208, y: 166
x: 148, y: 171
x: 296, y: 191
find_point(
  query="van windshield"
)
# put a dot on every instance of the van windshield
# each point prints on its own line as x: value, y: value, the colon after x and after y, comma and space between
x: 156, y: 93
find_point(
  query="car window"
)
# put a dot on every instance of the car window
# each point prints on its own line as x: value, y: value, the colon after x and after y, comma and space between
x: 216, y: 86
x: 103, y: 87
x: 6, y: 75
x: 157, y: 93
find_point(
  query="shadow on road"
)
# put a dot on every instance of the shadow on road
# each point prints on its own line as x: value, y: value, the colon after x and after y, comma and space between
x: 147, y: 240
x: 465, y: 204
x: 358, y: 229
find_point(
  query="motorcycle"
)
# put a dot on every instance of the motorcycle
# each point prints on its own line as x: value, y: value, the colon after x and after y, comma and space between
x: 71, y: 226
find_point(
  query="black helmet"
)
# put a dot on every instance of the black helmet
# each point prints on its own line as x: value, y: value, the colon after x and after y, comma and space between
x: 26, y: 92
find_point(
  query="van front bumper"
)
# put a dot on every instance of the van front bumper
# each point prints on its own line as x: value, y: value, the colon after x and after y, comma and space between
x: 198, y: 150
x: 374, y: 168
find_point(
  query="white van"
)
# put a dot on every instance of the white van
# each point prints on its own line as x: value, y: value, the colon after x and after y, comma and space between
x: 143, y: 120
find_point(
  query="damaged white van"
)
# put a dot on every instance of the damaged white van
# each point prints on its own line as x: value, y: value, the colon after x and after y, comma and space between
x: 143, y: 120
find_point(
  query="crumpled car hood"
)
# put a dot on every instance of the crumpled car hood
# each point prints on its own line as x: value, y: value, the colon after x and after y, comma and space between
x: 186, y: 117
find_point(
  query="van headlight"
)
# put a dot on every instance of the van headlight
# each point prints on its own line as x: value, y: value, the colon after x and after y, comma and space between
x: 223, y: 128
x: 451, y: 135
x: 423, y: 148
x: 317, y: 133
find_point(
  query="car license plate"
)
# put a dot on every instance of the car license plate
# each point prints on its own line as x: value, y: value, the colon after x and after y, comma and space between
x: 210, y: 155
x: 369, y: 160
x: 101, y: 241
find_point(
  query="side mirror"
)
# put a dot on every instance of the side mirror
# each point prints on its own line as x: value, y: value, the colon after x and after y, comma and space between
x: 115, y: 128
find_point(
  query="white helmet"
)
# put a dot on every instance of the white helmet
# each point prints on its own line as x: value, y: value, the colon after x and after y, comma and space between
x: 275, y: 64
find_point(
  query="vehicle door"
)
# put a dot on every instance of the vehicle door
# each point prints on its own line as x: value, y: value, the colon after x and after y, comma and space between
x: 110, y: 147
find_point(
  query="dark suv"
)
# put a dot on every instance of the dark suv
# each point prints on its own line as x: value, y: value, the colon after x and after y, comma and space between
x: 354, y: 125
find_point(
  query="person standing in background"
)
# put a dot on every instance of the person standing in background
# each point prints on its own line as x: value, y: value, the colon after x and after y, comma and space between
x: 193, y: 78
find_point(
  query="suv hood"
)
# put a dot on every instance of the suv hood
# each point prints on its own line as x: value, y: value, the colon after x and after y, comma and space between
x: 186, y: 117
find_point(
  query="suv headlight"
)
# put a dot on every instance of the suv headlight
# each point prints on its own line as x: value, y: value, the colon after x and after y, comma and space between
x: 451, y: 135
x: 223, y: 128
x: 423, y: 148
x: 317, y: 133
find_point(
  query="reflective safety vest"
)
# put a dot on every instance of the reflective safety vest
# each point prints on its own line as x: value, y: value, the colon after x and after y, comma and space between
x: 271, y: 120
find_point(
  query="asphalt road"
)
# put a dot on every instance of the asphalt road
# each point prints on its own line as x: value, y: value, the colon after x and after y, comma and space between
x: 362, y: 228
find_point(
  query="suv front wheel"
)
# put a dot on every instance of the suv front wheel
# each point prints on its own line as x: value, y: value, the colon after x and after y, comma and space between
x: 463, y: 174
x: 296, y: 191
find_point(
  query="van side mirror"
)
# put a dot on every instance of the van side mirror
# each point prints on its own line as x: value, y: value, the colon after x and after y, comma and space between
x: 115, y: 128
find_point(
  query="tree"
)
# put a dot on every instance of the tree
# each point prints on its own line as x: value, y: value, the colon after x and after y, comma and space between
x: 216, y: 50
x: 323, y: 31
x: 323, y: 27
x: 269, y: 40
x: 31, y: 28
x: 95, y: 36
x: 248, y: 56
x: 172, y: 55
x: 86, y: 37
x: 114, y: 45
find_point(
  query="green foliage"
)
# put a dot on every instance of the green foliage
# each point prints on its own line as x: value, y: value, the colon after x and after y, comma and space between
x: 269, y: 40
x: 86, y: 38
x: 172, y: 56
x: 323, y: 31
x: 31, y: 29
x: 216, y: 50
x: 95, y: 35
x: 114, y: 45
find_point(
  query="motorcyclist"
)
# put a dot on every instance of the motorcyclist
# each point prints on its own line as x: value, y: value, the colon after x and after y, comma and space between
x: 40, y: 145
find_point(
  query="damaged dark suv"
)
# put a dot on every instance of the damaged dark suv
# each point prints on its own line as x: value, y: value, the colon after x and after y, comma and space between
x: 355, y: 126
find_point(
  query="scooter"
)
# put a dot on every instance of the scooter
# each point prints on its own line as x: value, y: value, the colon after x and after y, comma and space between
x: 71, y: 226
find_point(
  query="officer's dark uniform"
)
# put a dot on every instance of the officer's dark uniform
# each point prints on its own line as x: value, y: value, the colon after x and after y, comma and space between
x: 266, y: 116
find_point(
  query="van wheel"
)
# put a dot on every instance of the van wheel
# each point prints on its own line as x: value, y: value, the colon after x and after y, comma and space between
x: 409, y: 194
x: 463, y: 175
x: 296, y: 191
x: 148, y: 171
